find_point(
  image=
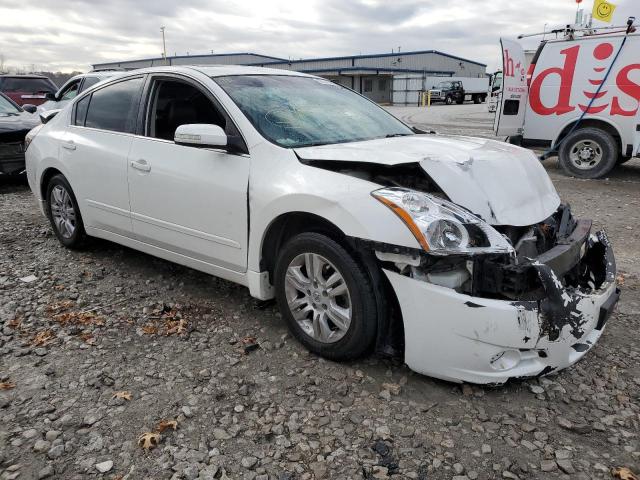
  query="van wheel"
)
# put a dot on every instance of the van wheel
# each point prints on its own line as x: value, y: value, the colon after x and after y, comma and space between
x: 588, y: 153
x: 64, y: 214
x: 326, y: 297
x: 449, y: 100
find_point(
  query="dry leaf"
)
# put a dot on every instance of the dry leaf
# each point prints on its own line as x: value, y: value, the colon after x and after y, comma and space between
x: 8, y: 386
x: 623, y: 473
x: 150, y: 329
x: 15, y: 323
x: 620, y: 279
x: 60, y: 306
x: 123, y: 394
x: 177, y: 327
x: 79, y: 318
x: 88, y: 338
x: 149, y: 440
x: 43, y: 338
x: 166, y: 424
x: 249, y: 340
x: 58, y: 287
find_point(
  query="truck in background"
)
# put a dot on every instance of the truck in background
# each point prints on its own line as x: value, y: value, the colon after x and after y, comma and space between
x: 454, y: 90
x: 580, y: 98
x: 495, y: 90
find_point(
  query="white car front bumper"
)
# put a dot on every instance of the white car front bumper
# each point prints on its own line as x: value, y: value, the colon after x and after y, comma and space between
x: 461, y: 338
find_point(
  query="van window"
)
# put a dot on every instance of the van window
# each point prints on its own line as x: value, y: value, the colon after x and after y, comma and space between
x: 70, y: 91
x: 90, y: 82
x: 115, y: 107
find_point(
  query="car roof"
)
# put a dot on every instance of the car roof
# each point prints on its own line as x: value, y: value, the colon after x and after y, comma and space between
x: 220, y: 70
x: 7, y: 75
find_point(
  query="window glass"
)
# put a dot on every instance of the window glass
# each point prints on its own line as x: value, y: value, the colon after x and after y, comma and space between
x: 6, y: 106
x: 28, y: 85
x: 90, y: 82
x: 293, y: 111
x: 175, y: 103
x: 115, y: 107
x: 81, y: 110
x: 368, y: 85
x: 71, y: 91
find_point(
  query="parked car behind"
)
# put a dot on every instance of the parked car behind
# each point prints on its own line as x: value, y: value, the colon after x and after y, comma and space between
x: 454, y: 251
x: 23, y: 89
x: 15, y: 122
x: 73, y: 87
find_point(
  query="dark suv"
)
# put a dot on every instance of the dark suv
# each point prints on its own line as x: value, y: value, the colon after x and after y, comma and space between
x: 23, y: 89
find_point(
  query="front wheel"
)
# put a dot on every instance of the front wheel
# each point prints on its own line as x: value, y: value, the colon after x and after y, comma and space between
x: 449, y: 100
x: 326, y: 297
x: 63, y: 213
x: 588, y: 153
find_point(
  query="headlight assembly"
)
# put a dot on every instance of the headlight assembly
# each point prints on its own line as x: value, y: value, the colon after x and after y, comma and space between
x: 441, y: 227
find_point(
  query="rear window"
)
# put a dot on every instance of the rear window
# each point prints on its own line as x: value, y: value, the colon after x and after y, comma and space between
x: 28, y: 85
x: 90, y: 82
x: 115, y: 106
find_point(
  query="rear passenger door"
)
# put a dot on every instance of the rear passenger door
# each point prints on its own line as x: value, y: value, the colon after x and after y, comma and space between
x: 95, y: 151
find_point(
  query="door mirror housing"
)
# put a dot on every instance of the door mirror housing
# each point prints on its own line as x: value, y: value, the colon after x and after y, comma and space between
x: 200, y: 135
x: 48, y: 115
x: 27, y: 107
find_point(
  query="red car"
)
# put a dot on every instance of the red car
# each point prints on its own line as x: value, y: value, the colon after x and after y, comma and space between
x: 23, y: 89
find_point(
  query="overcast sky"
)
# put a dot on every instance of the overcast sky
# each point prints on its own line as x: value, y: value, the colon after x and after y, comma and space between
x: 70, y: 35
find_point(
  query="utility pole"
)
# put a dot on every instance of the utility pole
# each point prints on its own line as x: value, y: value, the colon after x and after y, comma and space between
x: 164, y: 47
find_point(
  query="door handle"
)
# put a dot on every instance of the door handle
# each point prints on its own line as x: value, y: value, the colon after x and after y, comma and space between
x: 141, y: 165
x: 69, y: 145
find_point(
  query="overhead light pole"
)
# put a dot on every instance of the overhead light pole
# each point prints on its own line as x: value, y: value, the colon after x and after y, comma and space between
x: 164, y: 47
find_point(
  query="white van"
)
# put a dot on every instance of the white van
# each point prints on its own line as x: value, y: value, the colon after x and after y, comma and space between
x: 580, y: 98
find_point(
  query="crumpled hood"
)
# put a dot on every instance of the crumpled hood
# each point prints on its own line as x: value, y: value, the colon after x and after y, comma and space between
x: 501, y: 183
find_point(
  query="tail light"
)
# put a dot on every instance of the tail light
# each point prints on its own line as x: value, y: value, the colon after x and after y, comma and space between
x: 31, y: 135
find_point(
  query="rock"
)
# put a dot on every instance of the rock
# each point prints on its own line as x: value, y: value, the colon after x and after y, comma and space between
x: 537, y: 389
x: 383, y: 432
x: 55, y: 451
x: 379, y: 471
x: 186, y: 411
x: 105, y: 466
x: 548, y: 465
x: 45, y: 472
x: 564, y: 423
x: 191, y: 471
x: 220, y: 434
x: 248, y: 462
x: 486, y: 449
x: 566, y: 466
x: 41, y: 446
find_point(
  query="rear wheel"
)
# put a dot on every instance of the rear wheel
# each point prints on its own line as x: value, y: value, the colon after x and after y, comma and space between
x: 64, y: 214
x: 588, y: 153
x: 326, y: 297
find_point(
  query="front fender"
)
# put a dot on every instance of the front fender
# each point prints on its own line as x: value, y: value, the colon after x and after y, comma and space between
x: 356, y: 213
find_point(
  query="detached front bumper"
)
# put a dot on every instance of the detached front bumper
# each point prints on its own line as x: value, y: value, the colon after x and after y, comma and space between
x: 459, y: 337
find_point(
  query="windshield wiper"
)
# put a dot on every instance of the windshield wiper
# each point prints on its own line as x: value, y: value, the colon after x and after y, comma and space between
x: 392, y: 135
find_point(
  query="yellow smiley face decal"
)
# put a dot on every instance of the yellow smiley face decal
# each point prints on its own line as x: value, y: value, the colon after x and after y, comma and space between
x: 604, y: 9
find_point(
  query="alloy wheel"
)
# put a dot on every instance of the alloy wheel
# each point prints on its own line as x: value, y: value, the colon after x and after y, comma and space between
x: 318, y: 297
x: 63, y: 212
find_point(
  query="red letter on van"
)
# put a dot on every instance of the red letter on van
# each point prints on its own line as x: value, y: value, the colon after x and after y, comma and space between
x: 566, y: 73
x: 628, y: 87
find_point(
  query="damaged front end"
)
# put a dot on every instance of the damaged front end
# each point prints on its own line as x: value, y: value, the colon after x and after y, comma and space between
x: 488, y: 317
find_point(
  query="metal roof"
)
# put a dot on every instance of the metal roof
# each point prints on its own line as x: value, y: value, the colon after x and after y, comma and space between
x: 190, y: 56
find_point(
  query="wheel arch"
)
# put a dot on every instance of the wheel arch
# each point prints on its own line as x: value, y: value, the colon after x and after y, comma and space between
x: 599, y: 123
x: 46, y: 176
x: 287, y: 225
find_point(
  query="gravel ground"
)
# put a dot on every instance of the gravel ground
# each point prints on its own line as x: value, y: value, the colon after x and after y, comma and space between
x: 108, y: 344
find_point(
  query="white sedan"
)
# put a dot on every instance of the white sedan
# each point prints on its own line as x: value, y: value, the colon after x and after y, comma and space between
x: 455, y: 252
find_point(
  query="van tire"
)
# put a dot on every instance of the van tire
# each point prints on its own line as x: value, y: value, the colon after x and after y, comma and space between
x: 577, y: 146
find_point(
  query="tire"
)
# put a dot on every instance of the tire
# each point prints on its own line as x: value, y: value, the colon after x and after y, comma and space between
x: 66, y: 222
x: 460, y: 101
x: 575, y: 150
x: 477, y: 99
x: 356, y: 338
x: 448, y: 100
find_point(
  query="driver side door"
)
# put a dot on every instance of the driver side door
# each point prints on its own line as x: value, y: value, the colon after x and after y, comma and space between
x: 189, y: 200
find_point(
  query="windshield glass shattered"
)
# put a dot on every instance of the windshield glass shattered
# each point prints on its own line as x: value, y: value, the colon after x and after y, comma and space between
x: 303, y: 111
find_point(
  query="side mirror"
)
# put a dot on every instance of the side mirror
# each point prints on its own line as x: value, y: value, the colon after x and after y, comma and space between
x: 50, y: 96
x: 27, y: 107
x: 48, y: 115
x: 200, y: 135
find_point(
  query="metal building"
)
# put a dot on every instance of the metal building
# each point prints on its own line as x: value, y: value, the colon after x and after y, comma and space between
x: 385, y: 78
